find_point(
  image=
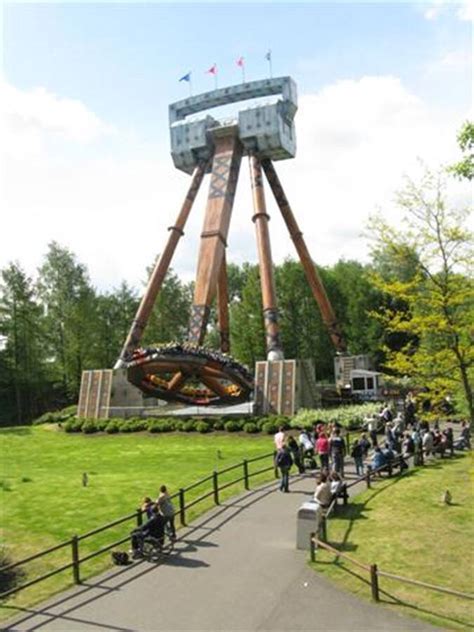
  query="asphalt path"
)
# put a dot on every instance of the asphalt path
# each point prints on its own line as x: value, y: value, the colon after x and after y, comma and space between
x: 236, y: 568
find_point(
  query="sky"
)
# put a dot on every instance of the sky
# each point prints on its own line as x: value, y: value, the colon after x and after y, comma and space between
x: 85, y: 90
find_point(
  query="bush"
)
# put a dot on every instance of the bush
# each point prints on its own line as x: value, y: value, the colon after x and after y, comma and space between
x: 57, y: 416
x: 218, y: 424
x: 101, y: 424
x: 202, y: 427
x: 269, y: 427
x: 185, y: 426
x: 89, y: 426
x: 73, y: 425
x: 232, y: 426
x: 112, y: 427
x: 251, y: 427
x: 160, y: 425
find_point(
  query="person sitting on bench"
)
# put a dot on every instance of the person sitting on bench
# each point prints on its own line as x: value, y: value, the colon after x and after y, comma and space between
x: 154, y: 527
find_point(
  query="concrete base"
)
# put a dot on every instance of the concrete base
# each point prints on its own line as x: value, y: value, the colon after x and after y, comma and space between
x: 283, y: 387
x: 107, y: 393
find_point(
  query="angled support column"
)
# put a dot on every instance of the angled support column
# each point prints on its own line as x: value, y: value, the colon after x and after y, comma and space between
x: 311, y: 272
x: 267, y: 279
x: 161, y: 268
x: 223, y: 307
x: 225, y: 172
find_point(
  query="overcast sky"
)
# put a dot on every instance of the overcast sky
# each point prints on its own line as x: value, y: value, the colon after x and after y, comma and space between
x: 86, y: 89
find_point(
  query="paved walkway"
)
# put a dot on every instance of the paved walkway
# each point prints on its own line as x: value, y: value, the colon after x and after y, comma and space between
x: 236, y: 568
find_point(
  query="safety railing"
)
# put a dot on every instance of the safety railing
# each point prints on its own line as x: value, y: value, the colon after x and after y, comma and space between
x: 244, y: 475
x: 375, y: 572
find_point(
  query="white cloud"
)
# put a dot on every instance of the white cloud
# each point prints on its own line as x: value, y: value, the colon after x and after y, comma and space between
x: 30, y: 116
x: 356, y: 138
x: 463, y: 9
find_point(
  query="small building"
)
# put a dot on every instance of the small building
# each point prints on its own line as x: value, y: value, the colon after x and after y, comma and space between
x: 366, y: 385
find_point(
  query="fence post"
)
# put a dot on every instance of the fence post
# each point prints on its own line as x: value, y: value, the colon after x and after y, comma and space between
x: 374, y: 582
x: 75, y: 559
x: 182, y: 515
x: 246, y: 474
x: 367, y: 476
x: 215, y: 484
x: 139, y: 518
x: 312, y: 548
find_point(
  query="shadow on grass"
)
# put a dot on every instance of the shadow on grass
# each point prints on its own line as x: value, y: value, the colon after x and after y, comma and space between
x: 393, y: 600
x: 12, y: 430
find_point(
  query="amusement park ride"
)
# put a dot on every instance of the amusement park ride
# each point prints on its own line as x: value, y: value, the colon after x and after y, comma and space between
x: 188, y: 372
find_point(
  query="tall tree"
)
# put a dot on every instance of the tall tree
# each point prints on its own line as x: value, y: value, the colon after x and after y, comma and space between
x: 70, y: 310
x: 439, y: 296
x: 465, y: 167
x: 22, y: 358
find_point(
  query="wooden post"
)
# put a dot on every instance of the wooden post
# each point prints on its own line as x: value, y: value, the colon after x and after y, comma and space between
x: 75, y: 559
x: 161, y: 268
x: 182, y: 514
x: 246, y: 474
x: 311, y: 272
x: 215, y: 485
x: 374, y: 582
x: 312, y: 547
x: 225, y: 171
x: 267, y: 280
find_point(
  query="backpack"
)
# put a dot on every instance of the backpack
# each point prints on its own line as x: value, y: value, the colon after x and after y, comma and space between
x: 120, y: 558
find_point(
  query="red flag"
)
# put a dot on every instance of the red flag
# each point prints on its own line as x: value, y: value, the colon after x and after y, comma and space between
x: 212, y: 70
x: 240, y: 62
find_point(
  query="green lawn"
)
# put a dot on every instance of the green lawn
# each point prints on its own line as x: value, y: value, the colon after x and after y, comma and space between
x: 43, y: 501
x: 403, y: 526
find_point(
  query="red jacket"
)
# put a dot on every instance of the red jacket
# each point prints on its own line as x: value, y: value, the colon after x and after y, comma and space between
x: 322, y: 445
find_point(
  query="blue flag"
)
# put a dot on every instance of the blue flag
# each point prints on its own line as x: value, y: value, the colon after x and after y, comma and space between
x: 186, y: 77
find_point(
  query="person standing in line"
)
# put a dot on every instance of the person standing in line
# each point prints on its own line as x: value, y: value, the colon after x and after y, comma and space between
x: 357, y: 453
x: 294, y: 449
x: 279, y: 438
x: 338, y: 451
x: 284, y: 462
x: 322, y: 449
x: 322, y: 498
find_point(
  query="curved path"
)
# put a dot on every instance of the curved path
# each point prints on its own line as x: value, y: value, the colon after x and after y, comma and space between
x: 236, y: 568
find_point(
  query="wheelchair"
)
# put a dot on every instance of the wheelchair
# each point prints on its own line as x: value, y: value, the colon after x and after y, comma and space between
x: 154, y: 549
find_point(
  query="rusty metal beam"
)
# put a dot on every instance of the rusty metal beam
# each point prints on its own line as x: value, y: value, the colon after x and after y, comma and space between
x: 267, y: 279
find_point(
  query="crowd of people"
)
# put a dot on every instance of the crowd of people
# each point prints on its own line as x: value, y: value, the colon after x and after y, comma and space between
x: 159, y: 519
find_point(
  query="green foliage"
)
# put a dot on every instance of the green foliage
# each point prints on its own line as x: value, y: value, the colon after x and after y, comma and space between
x: 112, y: 427
x: 251, y: 427
x: 269, y: 427
x: 185, y: 425
x: 89, y: 426
x: 438, y: 297
x: 465, y: 167
x: 161, y: 425
x: 232, y: 426
x: 57, y: 417
x: 73, y: 425
x: 202, y: 427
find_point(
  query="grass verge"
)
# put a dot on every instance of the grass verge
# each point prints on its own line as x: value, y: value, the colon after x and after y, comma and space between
x: 43, y: 501
x: 403, y: 526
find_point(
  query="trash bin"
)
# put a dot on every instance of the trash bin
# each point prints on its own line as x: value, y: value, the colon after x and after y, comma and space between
x: 305, y: 524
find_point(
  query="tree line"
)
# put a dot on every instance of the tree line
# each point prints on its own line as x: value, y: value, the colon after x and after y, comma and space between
x: 411, y: 308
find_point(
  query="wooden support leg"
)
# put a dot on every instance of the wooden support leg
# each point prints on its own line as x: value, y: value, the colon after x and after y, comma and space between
x: 161, y: 268
x: 225, y: 171
x: 223, y: 307
x: 261, y: 218
x: 311, y: 272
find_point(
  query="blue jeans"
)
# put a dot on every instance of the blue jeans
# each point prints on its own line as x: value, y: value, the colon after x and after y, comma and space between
x: 359, y: 463
x: 285, y: 479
